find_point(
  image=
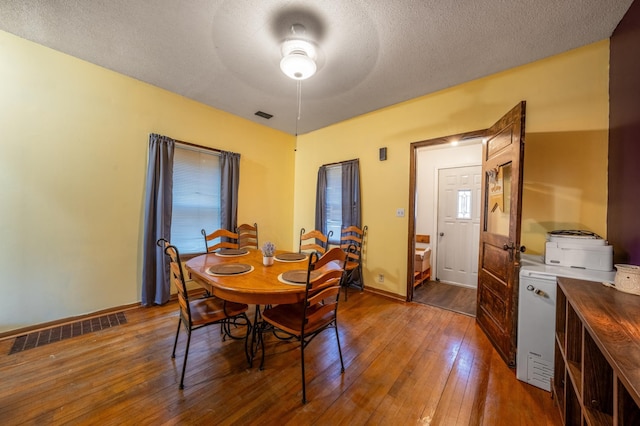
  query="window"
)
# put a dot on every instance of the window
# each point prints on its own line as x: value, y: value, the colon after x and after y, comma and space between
x: 464, y: 204
x: 196, y: 197
x: 333, y: 208
x: 338, y: 198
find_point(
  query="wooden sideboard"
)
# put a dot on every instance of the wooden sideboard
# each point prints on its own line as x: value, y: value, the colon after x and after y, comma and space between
x: 597, y: 354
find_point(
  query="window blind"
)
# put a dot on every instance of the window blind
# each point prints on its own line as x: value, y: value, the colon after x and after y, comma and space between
x: 196, y: 197
x: 333, y: 212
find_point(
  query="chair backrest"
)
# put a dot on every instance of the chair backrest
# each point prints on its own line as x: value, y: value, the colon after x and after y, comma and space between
x: 323, y: 292
x: 247, y: 236
x: 228, y: 239
x: 352, y: 241
x: 177, y: 277
x: 314, y: 240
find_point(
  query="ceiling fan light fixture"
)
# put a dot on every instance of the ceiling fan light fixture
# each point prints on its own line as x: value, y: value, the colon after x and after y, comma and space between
x: 298, y: 66
x: 298, y: 59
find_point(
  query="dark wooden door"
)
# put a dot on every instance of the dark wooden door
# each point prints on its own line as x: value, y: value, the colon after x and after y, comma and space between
x: 499, y: 257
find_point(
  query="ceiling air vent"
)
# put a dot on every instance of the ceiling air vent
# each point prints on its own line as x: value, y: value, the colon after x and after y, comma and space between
x: 264, y: 115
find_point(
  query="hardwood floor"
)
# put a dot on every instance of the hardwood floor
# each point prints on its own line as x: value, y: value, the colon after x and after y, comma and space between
x: 406, y: 363
x: 447, y: 296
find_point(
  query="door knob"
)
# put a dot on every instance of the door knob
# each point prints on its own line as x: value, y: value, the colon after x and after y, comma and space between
x: 523, y: 249
x: 442, y: 234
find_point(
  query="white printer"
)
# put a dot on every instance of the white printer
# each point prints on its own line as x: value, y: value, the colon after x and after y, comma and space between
x: 578, y: 249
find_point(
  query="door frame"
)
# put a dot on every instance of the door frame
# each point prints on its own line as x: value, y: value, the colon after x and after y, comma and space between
x: 411, y: 246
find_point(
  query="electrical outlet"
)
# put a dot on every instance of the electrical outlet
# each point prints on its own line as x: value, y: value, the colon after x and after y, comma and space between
x: 400, y: 213
x: 380, y: 278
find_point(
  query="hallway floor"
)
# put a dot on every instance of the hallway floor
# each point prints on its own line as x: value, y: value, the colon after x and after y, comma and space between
x: 447, y: 296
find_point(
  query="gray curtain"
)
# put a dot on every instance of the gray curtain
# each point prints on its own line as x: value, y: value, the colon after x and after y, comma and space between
x: 350, y: 196
x: 321, y: 200
x: 229, y: 183
x: 351, y: 193
x: 157, y: 220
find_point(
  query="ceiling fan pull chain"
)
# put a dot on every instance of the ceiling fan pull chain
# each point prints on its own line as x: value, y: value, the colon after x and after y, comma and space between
x: 299, y: 98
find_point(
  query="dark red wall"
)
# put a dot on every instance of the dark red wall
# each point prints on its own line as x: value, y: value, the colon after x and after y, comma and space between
x: 623, y: 210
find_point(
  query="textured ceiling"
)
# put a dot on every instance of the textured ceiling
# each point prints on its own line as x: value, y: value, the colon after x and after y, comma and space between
x: 372, y: 54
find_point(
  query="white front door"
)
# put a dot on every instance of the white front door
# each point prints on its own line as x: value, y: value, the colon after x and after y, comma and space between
x: 459, y: 194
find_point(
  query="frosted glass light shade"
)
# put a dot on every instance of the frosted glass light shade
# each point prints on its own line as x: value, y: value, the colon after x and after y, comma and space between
x: 298, y: 59
x: 298, y: 66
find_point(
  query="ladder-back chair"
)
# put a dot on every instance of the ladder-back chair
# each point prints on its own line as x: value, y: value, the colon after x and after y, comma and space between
x: 305, y: 320
x: 314, y: 241
x: 352, y: 241
x: 247, y: 236
x: 199, y: 313
x: 227, y: 239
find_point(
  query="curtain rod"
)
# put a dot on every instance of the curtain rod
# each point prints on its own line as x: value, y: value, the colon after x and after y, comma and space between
x: 197, y: 146
x: 339, y: 162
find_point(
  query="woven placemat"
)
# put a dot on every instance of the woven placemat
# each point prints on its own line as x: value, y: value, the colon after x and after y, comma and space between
x: 299, y: 276
x: 232, y: 252
x: 229, y: 269
x: 291, y: 257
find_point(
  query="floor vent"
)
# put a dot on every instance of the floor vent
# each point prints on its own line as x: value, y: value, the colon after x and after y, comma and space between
x: 66, y: 331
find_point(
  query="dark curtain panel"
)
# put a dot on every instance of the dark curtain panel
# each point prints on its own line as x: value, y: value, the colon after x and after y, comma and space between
x: 229, y: 182
x: 157, y: 220
x: 351, y: 193
x: 321, y: 200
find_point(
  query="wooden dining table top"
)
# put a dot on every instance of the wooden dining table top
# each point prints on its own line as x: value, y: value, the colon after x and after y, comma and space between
x: 260, y: 286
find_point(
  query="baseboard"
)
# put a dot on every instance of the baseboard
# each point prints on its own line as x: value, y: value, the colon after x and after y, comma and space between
x: 386, y: 294
x: 51, y: 324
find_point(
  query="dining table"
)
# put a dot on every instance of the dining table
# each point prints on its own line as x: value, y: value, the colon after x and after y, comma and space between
x: 241, y: 276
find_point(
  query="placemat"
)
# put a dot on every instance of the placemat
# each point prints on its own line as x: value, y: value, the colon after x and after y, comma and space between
x: 299, y: 276
x: 229, y: 269
x: 290, y: 257
x: 232, y: 252
x: 283, y: 281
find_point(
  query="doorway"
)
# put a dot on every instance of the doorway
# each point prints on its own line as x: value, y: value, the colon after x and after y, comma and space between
x: 499, y: 250
x: 442, y: 168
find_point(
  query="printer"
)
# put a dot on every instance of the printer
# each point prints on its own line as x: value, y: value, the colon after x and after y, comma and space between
x: 578, y: 249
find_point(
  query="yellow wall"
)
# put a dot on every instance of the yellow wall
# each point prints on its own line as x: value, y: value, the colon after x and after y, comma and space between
x: 73, y: 153
x: 73, y: 157
x: 565, y: 179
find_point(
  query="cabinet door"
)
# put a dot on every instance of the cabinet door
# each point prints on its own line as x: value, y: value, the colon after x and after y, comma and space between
x: 597, y: 376
x: 559, y: 380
